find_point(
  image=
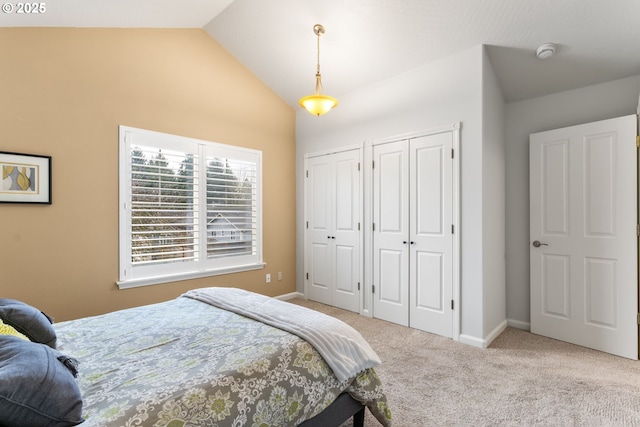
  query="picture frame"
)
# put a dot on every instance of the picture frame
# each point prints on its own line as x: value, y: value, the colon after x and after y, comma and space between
x: 25, y: 178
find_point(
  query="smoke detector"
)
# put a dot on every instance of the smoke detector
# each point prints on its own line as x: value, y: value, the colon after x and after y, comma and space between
x: 545, y: 50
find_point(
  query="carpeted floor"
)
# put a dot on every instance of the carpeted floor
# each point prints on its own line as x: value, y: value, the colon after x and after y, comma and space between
x: 520, y: 380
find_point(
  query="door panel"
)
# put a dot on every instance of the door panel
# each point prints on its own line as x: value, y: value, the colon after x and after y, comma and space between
x: 390, y: 236
x: 347, y: 207
x: 555, y: 197
x: 429, y: 270
x: 319, y: 229
x: 600, y: 191
x: 583, y: 190
x: 320, y: 276
x: 556, y: 291
x: 600, y: 292
x: 346, y: 262
x: 431, y: 239
x: 429, y: 204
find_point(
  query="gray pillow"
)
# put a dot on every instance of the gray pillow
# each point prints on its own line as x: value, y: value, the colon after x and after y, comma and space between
x: 28, y: 321
x: 37, y: 386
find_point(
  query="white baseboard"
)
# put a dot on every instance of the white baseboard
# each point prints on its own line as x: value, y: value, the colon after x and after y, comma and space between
x: 484, y: 343
x: 518, y: 324
x: 472, y: 341
x: 292, y: 295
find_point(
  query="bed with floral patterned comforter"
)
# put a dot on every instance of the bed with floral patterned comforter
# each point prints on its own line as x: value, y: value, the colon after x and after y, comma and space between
x: 186, y: 363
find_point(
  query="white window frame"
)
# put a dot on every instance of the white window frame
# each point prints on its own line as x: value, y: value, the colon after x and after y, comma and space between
x: 131, y: 275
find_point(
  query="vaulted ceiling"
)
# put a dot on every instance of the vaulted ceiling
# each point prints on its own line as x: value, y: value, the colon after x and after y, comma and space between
x: 371, y: 40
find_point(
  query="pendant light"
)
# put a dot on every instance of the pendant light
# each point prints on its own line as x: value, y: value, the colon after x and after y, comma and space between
x: 318, y: 104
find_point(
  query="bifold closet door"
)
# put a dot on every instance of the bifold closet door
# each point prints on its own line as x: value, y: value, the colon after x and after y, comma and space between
x: 413, y: 236
x: 391, y: 232
x: 334, y: 198
x: 431, y: 234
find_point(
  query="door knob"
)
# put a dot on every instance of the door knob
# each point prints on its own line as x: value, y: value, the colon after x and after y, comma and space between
x: 537, y: 244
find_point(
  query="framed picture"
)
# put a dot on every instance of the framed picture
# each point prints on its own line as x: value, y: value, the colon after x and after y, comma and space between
x: 26, y: 178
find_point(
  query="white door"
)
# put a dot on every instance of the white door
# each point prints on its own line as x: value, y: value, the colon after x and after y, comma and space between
x: 431, y: 236
x: 584, y: 247
x: 319, y: 229
x: 391, y: 232
x: 333, y: 229
x: 412, y: 239
x: 347, y: 202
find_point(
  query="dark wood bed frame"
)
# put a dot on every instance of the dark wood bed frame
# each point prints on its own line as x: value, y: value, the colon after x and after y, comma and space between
x: 343, y: 408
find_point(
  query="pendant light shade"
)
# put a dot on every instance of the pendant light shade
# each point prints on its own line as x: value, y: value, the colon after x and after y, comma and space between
x: 318, y: 103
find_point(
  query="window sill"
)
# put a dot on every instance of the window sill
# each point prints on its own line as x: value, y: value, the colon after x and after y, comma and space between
x: 148, y: 281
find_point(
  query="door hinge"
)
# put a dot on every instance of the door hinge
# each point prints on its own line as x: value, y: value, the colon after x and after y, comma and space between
x: 452, y: 151
x: 374, y: 226
x: 451, y: 304
x: 358, y: 165
x: 452, y: 230
x: 358, y: 226
x: 373, y: 289
x: 307, y: 174
x: 638, y: 319
x: 358, y: 285
x: 373, y: 164
x: 307, y: 224
x: 637, y: 230
x: 307, y: 276
x: 637, y: 141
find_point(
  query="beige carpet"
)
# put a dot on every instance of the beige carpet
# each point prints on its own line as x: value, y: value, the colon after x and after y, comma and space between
x: 520, y: 380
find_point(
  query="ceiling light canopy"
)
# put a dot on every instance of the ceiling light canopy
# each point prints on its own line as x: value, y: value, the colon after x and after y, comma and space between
x: 318, y: 103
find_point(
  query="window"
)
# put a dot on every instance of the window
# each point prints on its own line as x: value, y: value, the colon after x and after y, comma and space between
x: 181, y: 201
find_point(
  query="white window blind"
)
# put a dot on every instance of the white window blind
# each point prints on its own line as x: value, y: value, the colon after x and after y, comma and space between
x: 188, y: 208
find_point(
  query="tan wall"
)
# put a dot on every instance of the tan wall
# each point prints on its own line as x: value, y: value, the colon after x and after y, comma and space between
x: 64, y: 93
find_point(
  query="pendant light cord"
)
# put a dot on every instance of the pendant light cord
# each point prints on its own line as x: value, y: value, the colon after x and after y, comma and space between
x: 318, y: 76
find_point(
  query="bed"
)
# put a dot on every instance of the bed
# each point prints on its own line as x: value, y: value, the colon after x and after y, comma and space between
x: 221, y: 357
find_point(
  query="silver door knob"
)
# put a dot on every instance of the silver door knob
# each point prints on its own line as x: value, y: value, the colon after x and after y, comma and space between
x: 537, y: 244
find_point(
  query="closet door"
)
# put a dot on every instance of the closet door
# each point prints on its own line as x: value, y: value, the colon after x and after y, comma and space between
x: 345, y: 239
x: 431, y: 236
x: 391, y: 232
x: 413, y: 237
x: 333, y: 229
x: 319, y: 229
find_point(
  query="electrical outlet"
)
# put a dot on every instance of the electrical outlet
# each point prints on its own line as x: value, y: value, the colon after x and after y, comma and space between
x: 268, y: 278
x: 279, y: 275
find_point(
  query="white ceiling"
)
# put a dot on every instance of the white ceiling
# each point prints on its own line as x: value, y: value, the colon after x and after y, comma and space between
x: 371, y: 40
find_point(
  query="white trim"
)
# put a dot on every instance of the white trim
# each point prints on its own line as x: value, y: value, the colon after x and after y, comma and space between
x: 367, y: 220
x: 495, y: 333
x: 484, y: 343
x: 333, y: 151
x: 148, y: 281
x: 456, y: 126
x: 290, y: 296
x: 518, y: 324
x: 457, y: 237
x: 472, y: 341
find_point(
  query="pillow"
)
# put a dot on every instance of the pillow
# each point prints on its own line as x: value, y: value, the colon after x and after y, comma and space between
x: 10, y: 330
x: 37, y: 387
x: 28, y: 321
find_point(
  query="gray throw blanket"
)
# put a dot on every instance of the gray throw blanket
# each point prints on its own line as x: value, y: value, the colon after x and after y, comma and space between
x: 341, y: 346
